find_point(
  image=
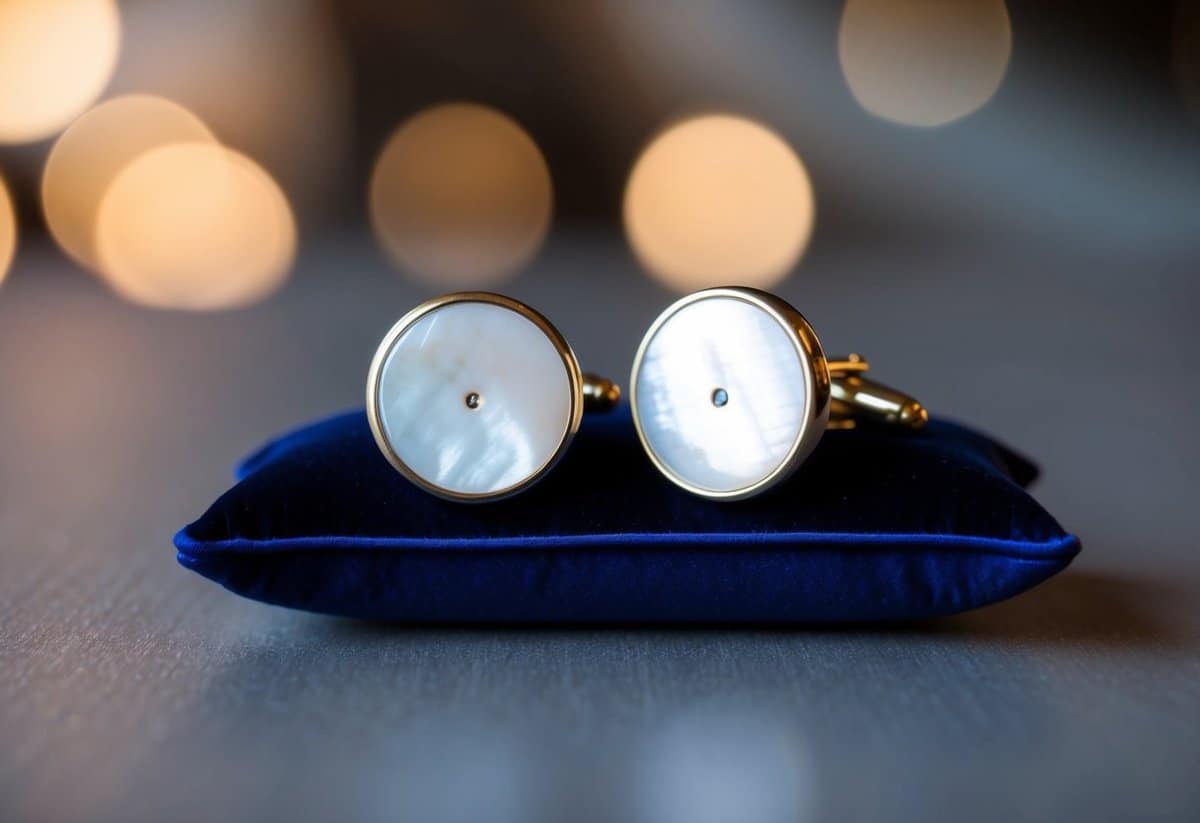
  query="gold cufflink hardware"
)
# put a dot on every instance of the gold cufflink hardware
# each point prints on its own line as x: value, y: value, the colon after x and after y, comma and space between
x: 855, y: 399
x: 599, y: 393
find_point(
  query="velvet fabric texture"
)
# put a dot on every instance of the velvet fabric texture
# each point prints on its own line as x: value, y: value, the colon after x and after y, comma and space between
x: 877, y: 525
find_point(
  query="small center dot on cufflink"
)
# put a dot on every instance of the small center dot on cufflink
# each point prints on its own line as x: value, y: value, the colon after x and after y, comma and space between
x: 473, y: 400
x: 720, y: 397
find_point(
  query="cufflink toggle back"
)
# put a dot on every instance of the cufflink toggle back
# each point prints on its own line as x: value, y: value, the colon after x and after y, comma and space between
x: 475, y: 396
x: 731, y: 391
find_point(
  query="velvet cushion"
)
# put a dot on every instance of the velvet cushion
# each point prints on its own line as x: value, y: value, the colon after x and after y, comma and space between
x: 877, y: 525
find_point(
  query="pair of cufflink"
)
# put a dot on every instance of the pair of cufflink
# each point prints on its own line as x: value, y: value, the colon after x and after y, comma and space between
x: 475, y: 397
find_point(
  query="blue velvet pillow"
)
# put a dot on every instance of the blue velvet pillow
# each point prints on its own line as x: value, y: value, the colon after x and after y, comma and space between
x: 877, y: 525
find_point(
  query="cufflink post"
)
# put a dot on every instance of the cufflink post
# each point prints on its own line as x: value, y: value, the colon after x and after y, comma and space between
x: 856, y: 399
x: 599, y: 393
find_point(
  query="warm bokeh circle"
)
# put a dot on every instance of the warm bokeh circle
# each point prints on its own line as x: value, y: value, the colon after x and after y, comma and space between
x: 718, y: 200
x: 8, y: 230
x: 461, y: 196
x: 195, y: 226
x: 94, y: 150
x: 56, y: 57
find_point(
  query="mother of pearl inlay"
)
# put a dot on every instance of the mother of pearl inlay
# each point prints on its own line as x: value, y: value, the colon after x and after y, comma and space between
x: 474, y: 398
x: 721, y: 394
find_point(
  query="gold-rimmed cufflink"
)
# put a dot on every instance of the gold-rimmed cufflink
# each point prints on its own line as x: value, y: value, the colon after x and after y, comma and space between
x: 731, y: 391
x: 475, y: 396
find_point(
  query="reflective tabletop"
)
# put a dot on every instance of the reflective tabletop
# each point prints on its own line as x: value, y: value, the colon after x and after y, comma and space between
x: 131, y: 690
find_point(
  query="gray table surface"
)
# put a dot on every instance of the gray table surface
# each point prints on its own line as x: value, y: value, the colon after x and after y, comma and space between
x: 131, y: 690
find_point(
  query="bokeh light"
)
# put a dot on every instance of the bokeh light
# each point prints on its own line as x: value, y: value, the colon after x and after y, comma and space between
x: 8, y: 230
x: 94, y: 150
x: 56, y: 56
x: 269, y: 77
x: 461, y: 196
x: 718, y: 200
x: 195, y: 226
x: 924, y: 62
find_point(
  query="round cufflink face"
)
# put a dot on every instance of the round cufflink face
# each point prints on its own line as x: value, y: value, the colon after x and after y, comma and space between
x: 730, y: 392
x: 474, y: 396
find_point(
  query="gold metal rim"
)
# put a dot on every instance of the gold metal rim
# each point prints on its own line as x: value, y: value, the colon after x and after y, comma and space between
x: 816, y: 378
x: 574, y: 375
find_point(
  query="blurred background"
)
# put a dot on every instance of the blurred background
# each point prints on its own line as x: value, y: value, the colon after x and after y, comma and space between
x: 468, y: 136
x: 211, y: 211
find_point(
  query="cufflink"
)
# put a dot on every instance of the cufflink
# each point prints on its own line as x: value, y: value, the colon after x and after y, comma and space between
x: 731, y: 391
x: 474, y: 396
